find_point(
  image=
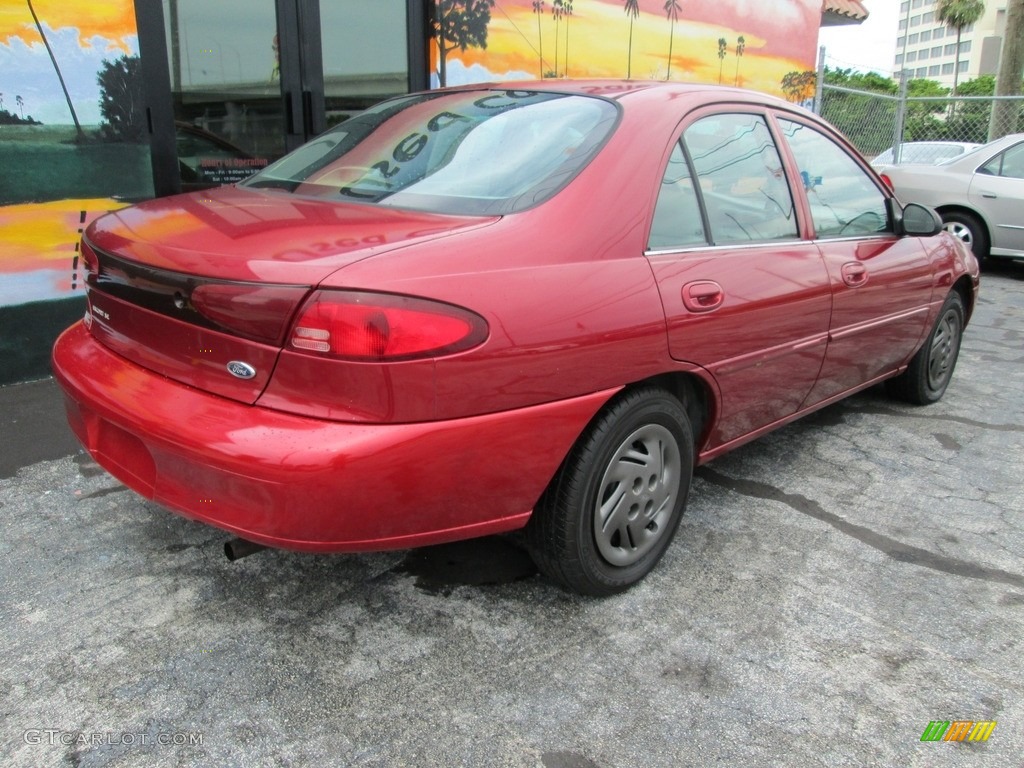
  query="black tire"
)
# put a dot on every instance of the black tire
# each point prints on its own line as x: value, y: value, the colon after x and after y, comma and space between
x: 968, y: 228
x: 931, y: 369
x: 634, y: 463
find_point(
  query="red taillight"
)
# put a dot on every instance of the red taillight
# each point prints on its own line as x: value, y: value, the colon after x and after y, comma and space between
x: 258, y: 312
x: 357, y: 325
x: 888, y: 182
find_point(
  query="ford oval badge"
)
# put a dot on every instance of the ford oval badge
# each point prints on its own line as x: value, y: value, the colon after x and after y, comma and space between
x: 241, y: 370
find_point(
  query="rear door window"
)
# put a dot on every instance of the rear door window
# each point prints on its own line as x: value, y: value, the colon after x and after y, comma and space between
x: 741, y: 179
x: 1009, y: 163
x: 677, y: 221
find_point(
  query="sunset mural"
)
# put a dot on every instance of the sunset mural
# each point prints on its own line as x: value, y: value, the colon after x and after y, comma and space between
x: 81, y: 35
x: 53, y: 169
x: 735, y: 42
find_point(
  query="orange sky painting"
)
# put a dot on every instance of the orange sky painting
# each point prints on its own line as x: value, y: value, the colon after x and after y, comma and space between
x: 113, y: 20
x: 780, y: 37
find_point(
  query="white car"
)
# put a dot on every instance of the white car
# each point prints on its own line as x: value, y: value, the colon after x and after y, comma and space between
x: 922, y: 153
x: 980, y: 195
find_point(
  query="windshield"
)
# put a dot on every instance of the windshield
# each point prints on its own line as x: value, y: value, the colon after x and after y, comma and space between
x: 472, y: 152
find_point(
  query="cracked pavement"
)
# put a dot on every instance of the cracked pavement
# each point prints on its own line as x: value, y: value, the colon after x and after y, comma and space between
x: 833, y: 588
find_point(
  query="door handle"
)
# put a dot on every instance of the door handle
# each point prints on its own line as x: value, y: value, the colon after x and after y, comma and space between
x: 854, y: 274
x: 703, y: 296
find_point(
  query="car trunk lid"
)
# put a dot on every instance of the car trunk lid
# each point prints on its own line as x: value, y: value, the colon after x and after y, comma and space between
x: 202, y: 288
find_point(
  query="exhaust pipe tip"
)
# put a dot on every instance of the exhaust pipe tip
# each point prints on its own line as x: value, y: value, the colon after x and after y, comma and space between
x: 236, y: 549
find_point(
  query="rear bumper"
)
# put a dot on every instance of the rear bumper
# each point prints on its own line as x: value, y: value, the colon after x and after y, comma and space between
x: 309, y: 484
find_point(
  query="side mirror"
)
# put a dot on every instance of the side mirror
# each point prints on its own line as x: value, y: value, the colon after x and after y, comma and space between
x: 920, y: 220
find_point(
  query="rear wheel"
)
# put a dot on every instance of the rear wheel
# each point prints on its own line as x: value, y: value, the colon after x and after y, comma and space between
x: 968, y: 228
x: 931, y: 369
x: 615, y: 504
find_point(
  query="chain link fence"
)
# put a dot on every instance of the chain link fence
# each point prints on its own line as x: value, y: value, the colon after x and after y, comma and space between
x: 878, y: 122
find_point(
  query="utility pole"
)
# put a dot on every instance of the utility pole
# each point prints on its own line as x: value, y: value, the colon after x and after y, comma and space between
x: 1011, y: 72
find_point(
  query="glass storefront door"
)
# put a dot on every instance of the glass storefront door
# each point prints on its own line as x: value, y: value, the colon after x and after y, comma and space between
x: 252, y: 79
x: 365, y: 54
x: 226, y: 88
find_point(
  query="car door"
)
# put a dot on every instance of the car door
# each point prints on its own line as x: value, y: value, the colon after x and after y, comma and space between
x: 997, y: 189
x: 744, y: 296
x: 881, y: 284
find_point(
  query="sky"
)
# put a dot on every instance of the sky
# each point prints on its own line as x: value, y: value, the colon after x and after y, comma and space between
x: 870, y: 46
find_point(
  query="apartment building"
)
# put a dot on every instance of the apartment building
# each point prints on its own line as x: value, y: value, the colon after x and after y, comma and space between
x: 926, y: 48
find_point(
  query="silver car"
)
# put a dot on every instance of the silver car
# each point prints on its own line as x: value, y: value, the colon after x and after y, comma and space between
x: 922, y: 153
x: 980, y: 195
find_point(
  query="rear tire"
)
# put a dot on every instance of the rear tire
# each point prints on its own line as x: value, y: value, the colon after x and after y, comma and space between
x: 969, y: 229
x: 612, y: 509
x: 930, y: 370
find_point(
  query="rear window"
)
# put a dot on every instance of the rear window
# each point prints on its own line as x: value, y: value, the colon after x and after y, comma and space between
x: 474, y: 152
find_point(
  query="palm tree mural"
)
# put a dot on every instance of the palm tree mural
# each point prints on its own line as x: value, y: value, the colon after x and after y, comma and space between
x: 79, y: 133
x: 723, y: 47
x: 538, y: 8
x: 21, y: 105
x: 567, y: 12
x: 741, y: 44
x: 799, y: 86
x: 672, y: 10
x: 458, y: 25
x: 633, y: 11
x: 556, y: 14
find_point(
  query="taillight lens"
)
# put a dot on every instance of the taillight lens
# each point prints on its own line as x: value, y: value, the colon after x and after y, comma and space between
x: 253, y: 311
x: 364, y: 326
x: 888, y: 182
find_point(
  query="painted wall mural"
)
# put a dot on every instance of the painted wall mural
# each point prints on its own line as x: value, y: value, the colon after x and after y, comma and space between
x: 71, y: 146
x: 745, y: 43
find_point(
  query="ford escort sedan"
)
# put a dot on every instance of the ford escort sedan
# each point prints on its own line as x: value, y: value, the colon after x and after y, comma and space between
x: 477, y: 310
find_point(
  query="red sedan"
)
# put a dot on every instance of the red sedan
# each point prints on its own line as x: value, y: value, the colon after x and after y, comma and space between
x: 476, y: 310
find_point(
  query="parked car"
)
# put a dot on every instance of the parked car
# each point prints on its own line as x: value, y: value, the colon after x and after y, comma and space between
x: 922, y: 153
x: 476, y: 310
x: 980, y: 195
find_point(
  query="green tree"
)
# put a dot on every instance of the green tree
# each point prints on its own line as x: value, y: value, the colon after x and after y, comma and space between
x: 741, y: 45
x: 972, y: 118
x: 957, y: 14
x: 1007, y: 114
x: 458, y: 25
x: 865, y: 118
x: 633, y: 11
x: 921, y: 121
x: 121, y: 100
x: 723, y: 48
x: 672, y: 10
x: 21, y: 105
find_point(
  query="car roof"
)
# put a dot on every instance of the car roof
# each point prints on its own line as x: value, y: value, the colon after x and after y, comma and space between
x: 967, y: 163
x: 980, y: 155
x: 620, y: 89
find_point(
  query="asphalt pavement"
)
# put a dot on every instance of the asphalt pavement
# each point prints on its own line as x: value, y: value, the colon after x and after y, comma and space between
x: 834, y: 588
